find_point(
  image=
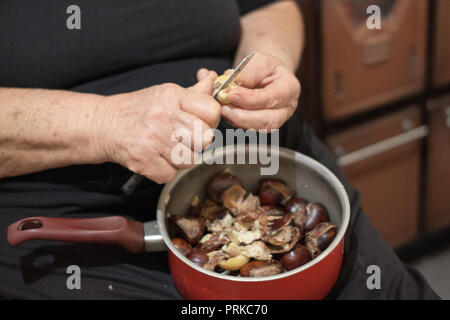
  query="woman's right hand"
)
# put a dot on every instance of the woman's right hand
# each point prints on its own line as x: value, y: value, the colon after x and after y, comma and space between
x: 136, y: 129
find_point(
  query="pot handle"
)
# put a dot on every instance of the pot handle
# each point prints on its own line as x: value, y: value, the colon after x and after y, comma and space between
x: 115, y: 230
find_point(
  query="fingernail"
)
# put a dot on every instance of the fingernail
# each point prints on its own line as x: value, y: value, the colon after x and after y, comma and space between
x: 202, y: 74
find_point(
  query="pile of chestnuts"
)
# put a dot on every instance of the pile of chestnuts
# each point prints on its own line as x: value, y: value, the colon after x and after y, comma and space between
x: 237, y: 233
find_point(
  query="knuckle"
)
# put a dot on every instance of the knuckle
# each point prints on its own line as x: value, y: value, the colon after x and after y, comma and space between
x: 171, y: 174
x: 266, y: 123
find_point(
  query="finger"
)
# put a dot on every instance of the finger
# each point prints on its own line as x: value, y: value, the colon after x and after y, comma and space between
x: 268, y: 119
x: 205, y: 81
x: 193, y: 132
x: 160, y: 171
x: 270, y: 97
x: 258, y: 69
x: 203, y: 107
x: 202, y: 74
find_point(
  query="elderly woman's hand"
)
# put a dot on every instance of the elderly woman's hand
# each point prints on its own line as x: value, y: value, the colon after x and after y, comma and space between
x: 137, y: 128
x: 268, y: 95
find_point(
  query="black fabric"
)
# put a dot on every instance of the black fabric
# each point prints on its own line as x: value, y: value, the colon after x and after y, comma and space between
x: 249, y: 5
x: 38, y: 50
x: 114, y: 46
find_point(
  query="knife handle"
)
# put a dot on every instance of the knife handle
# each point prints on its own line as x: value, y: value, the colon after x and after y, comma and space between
x: 132, y: 183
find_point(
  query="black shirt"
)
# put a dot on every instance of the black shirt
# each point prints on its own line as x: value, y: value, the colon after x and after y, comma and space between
x: 39, y: 50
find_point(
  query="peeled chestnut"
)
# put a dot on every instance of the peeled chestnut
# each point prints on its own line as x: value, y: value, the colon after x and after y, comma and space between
x: 261, y: 268
x: 219, y: 184
x: 295, y: 204
x: 296, y: 258
x: 273, y: 192
x: 192, y: 228
x: 320, y: 237
x: 198, y: 257
x: 182, y: 245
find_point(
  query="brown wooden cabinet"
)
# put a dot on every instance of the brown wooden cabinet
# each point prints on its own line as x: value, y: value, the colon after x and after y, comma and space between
x: 441, y: 52
x: 438, y: 166
x: 386, y: 170
x: 362, y: 68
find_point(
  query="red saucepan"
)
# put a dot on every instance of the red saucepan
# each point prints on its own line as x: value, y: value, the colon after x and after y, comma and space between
x: 310, y: 179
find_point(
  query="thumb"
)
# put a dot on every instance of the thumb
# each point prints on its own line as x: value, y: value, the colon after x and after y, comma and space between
x: 205, y: 81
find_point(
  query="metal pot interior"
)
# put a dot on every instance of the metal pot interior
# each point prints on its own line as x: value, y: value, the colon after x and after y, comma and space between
x: 310, y: 179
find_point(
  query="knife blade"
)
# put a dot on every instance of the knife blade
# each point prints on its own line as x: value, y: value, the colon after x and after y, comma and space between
x: 234, y: 74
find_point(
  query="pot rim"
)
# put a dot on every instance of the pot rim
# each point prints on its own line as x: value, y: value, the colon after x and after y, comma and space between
x: 284, y: 152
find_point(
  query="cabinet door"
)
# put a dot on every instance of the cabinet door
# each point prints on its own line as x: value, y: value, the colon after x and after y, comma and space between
x: 438, y: 166
x: 362, y: 68
x: 388, y: 177
x: 441, y: 65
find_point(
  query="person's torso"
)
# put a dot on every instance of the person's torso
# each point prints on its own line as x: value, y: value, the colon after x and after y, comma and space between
x: 123, y: 45
x: 40, y: 50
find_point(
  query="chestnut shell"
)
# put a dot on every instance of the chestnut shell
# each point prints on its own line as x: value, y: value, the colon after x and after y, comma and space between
x: 273, y: 192
x: 217, y: 185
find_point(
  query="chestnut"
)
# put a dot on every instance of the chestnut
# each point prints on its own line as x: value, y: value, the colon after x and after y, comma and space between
x: 182, y: 245
x: 261, y: 268
x: 299, y: 256
x: 192, y: 229
x: 273, y: 192
x: 314, y: 214
x: 295, y: 204
x: 219, y: 184
x: 198, y: 257
x: 317, y: 213
x: 318, y: 239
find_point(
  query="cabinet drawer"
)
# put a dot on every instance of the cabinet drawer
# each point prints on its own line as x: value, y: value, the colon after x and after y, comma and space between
x: 389, y: 177
x: 438, y: 166
x: 441, y: 63
x: 362, y: 68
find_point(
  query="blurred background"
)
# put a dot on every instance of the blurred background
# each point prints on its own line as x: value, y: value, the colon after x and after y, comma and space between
x: 380, y: 99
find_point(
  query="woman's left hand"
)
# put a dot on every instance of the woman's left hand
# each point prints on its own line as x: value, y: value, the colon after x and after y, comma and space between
x: 267, y: 96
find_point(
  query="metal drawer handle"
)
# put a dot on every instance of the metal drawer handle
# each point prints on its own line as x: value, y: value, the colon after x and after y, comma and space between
x: 383, y: 146
x: 447, y: 116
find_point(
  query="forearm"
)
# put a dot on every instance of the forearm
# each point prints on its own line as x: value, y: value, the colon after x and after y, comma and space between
x: 276, y: 30
x: 42, y: 129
